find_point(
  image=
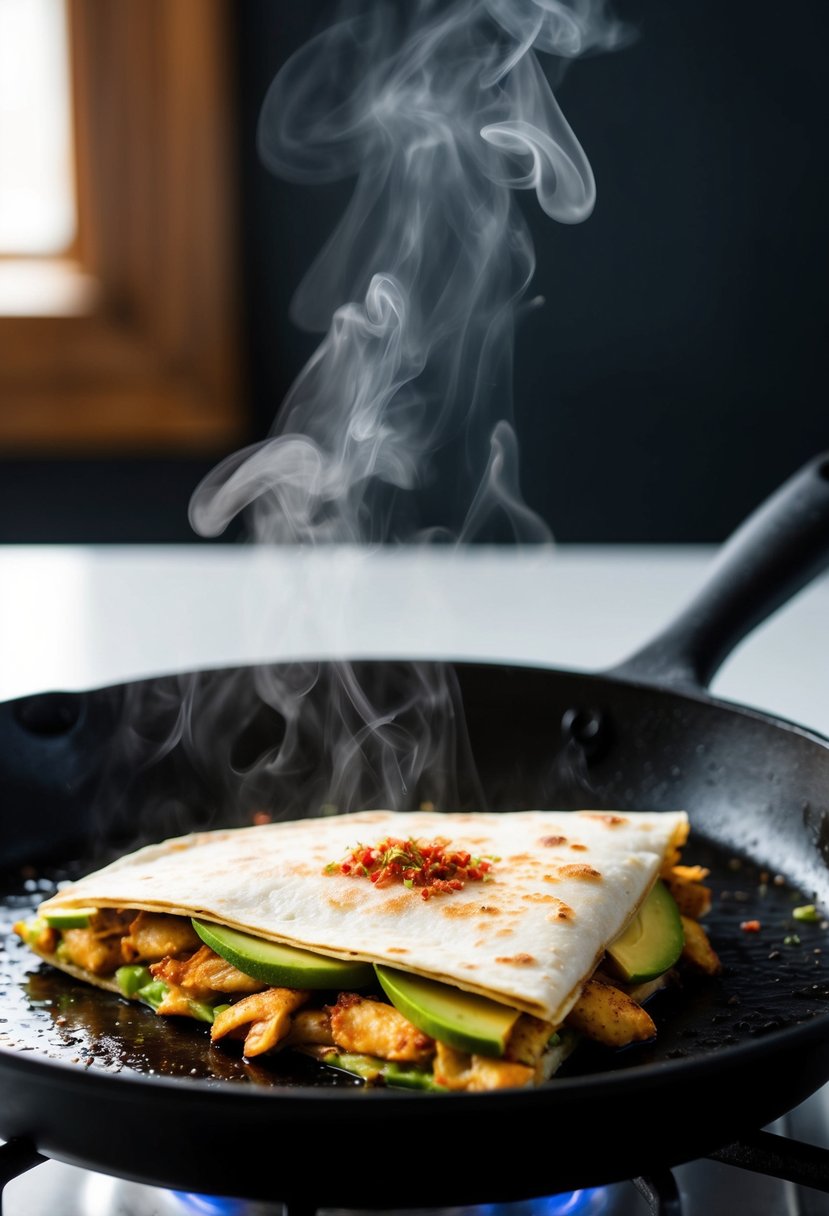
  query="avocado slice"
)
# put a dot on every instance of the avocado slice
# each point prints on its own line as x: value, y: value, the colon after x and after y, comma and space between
x: 69, y: 918
x: 460, y: 1019
x: 132, y: 977
x: 653, y: 940
x: 283, y: 966
x: 371, y: 1070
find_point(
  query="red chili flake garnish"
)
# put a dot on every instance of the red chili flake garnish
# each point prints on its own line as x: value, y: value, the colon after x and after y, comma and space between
x: 750, y: 926
x: 430, y: 866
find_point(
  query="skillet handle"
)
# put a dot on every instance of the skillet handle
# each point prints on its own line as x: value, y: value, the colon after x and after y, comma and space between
x: 781, y: 547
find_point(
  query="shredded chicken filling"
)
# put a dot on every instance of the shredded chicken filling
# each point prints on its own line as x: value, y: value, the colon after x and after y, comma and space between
x: 268, y: 1018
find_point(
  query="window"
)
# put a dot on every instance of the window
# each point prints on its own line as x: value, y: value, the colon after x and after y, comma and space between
x: 128, y: 341
x: 37, y: 187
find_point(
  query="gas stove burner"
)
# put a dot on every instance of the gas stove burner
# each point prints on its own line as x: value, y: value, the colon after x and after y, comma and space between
x: 703, y: 1187
x: 54, y: 1189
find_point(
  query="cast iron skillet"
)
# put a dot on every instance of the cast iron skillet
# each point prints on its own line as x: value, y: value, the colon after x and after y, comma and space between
x: 157, y: 1105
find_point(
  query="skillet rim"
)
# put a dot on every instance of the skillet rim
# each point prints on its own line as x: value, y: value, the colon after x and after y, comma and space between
x: 641, y: 1074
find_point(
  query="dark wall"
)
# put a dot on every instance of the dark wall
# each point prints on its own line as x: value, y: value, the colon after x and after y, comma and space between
x: 115, y: 501
x: 675, y: 375
x: 676, y: 372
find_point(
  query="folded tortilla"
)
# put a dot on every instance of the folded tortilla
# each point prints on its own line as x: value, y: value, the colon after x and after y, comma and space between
x: 562, y: 886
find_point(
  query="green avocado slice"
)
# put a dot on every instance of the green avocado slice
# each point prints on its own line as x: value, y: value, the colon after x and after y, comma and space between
x: 460, y: 1019
x: 283, y: 966
x: 371, y: 1070
x: 653, y: 940
x: 69, y: 918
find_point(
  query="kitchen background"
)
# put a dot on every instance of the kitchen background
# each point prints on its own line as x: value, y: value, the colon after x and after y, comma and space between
x: 673, y: 377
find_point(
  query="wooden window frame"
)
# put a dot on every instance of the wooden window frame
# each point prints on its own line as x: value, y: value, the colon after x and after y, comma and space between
x: 152, y: 364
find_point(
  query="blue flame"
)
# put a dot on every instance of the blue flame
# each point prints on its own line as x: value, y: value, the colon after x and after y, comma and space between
x: 210, y: 1205
x: 589, y: 1202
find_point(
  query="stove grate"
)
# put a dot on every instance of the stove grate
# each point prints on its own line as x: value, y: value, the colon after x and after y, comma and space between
x: 762, y: 1152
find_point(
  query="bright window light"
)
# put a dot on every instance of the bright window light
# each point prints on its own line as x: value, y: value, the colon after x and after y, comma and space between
x: 37, y: 195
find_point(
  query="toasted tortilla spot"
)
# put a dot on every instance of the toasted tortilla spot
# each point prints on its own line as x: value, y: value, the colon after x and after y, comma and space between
x: 503, y: 932
x: 612, y: 821
x: 396, y: 950
x: 540, y: 897
x: 550, y: 842
x: 515, y: 960
x: 394, y: 906
x: 298, y: 867
x: 465, y: 909
x: 577, y: 869
x: 579, y: 848
x: 344, y: 901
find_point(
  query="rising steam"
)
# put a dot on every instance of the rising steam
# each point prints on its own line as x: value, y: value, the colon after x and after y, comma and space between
x: 441, y: 111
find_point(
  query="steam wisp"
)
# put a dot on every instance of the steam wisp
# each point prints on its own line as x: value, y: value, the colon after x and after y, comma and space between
x: 441, y: 112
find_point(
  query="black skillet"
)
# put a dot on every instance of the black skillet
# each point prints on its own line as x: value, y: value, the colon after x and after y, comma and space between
x: 88, y: 1080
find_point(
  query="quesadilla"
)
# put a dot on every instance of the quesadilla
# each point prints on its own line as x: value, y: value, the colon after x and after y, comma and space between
x: 444, y: 950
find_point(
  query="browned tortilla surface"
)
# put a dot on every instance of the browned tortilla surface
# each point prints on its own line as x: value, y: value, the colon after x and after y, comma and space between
x: 563, y: 886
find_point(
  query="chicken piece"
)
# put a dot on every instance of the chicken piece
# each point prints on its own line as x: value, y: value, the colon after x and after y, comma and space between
x: 153, y: 935
x: 97, y: 948
x: 109, y: 922
x: 204, y: 974
x: 98, y: 954
x: 459, y: 1070
x: 698, y: 951
x: 175, y: 1002
x: 373, y: 1028
x: 690, y: 896
x: 691, y: 873
x: 38, y: 935
x: 610, y: 1016
x: 266, y: 1015
x: 528, y: 1040
x: 310, y: 1027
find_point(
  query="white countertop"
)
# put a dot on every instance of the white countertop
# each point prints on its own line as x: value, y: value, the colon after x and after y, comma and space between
x: 78, y: 617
